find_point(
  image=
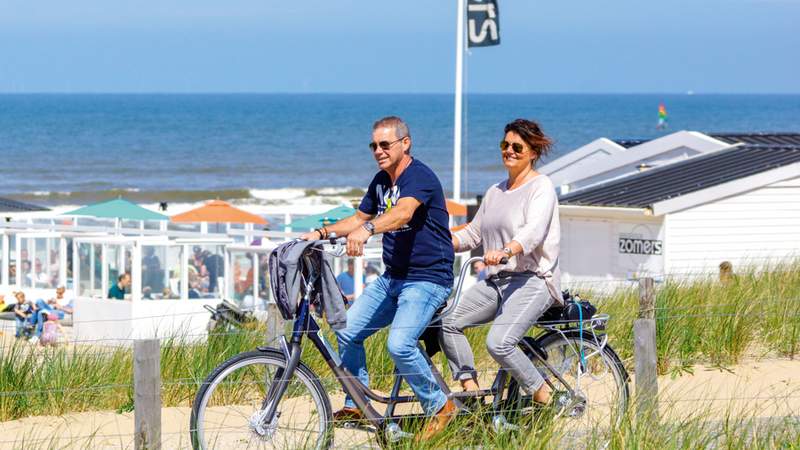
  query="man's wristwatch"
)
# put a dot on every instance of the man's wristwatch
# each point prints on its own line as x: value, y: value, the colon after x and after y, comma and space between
x: 370, y: 227
x: 509, y: 253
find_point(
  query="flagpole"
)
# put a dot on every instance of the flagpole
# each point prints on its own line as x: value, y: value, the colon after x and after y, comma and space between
x: 458, y: 101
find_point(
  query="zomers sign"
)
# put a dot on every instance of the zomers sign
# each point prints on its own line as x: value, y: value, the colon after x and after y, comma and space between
x: 640, y: 249
x: 636, y: 245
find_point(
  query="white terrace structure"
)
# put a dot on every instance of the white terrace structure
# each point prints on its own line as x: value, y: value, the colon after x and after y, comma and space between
x: 165, y: 297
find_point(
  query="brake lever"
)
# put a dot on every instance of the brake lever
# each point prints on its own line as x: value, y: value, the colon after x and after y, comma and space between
x: 339, y: 249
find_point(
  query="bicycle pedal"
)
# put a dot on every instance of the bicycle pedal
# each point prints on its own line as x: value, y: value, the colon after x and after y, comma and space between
x: 500, y: 424
x: 355, y: 425
x: 395, y: 433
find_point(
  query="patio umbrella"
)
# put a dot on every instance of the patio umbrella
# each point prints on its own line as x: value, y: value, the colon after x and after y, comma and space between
x: 117, y: 209
x: 218, y: 211
x: 456, y: 209
x: 459, y: 227
x: 326, y: 218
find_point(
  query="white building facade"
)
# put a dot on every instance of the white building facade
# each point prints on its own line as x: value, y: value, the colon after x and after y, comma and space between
x: 739, y: 203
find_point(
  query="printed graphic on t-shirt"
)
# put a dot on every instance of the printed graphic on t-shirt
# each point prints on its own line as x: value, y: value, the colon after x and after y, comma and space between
x: 388, y: 200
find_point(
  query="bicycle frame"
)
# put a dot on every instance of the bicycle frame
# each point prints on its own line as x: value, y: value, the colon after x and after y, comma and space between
x: 361, y: 395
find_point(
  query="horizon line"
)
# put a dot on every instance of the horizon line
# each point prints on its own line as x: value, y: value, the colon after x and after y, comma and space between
x: 683, y: 93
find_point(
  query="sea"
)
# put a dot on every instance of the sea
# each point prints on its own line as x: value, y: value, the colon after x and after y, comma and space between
x: 74, y: 149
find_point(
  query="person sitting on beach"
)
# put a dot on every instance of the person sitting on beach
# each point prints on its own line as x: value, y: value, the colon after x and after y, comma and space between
x: 517, y: 220
x: 23, y: 311
x: 406, y: 203
x: 52, y: 330
x: 60, y: 305
x: 117, y: 291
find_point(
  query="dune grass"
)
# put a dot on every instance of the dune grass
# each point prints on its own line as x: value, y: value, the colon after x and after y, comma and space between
x: 732, y: 430
x: 702, y: 321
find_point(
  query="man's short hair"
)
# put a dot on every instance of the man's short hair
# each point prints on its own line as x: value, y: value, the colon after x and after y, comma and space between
x: 121, y: 277
x: 400, y: 128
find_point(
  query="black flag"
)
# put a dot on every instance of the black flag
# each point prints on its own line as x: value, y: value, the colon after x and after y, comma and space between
x: 483, y: 23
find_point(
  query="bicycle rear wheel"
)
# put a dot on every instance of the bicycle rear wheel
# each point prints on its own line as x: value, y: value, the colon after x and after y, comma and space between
x: 600, y: 384
x: 227, y: 408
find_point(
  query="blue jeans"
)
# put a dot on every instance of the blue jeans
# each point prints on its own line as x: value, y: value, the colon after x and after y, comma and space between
x: 41, y: 315
x: 20, y: 325
x: 408, y: 307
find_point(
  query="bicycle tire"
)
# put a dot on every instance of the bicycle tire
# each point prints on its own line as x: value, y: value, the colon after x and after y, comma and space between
x: 515, y: 401
x: 233, y: 430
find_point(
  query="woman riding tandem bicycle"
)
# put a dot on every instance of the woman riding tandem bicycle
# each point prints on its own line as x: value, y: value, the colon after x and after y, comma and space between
x: 517, y: 220
x: 270, y: 398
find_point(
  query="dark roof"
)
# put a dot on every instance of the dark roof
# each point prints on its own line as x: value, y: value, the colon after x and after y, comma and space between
x: 673, y: 180
x: 8, y: 205
x: 628, y: 143
x: 759, y: 138
x: 735, y: 138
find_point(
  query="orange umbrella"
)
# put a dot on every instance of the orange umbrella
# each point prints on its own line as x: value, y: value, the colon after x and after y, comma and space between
x: 218, y: 211
x: 459, y: 227
x: 456, y: 209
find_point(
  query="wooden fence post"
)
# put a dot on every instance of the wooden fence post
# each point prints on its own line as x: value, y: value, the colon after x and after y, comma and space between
x: 644, y: 352
x: 147, y: 394
x: 274, y: 324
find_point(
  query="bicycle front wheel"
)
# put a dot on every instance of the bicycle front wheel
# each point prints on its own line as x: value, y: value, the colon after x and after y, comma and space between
x: 228, y: 409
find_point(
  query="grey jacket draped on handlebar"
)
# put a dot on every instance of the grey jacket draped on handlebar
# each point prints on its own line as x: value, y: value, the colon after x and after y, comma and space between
x: 327, y: 290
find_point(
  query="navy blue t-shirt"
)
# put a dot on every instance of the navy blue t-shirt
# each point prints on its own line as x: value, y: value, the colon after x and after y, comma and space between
x: 421, y: 250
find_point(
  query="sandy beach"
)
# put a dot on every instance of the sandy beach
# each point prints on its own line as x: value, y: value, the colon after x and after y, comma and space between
x: 761, y: 389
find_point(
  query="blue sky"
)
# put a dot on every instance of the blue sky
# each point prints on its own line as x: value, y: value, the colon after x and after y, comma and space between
x: 619, y: 46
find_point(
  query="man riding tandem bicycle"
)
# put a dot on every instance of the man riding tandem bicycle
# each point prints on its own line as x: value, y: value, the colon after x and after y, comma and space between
x: 268, y: 398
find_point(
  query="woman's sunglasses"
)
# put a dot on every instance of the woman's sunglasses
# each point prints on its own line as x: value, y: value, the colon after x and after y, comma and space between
x: 384, y: 145
x: 516, y: 146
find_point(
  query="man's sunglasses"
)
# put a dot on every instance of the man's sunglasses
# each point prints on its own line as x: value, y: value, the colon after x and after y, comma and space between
x: 516, y: 146
x: 384, y: 145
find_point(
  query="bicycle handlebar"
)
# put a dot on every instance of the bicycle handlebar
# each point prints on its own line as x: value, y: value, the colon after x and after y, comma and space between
x: 332, y: 241
x: 340, y: 241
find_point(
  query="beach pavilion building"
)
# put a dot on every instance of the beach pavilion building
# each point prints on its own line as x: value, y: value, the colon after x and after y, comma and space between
x: 679, y: 205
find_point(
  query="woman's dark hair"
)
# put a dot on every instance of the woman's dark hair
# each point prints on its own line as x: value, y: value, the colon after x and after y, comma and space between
x: 532, y: 134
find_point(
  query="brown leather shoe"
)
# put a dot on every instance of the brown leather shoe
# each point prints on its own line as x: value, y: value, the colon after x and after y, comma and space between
x: 439, y: 422
x: 348, y: 415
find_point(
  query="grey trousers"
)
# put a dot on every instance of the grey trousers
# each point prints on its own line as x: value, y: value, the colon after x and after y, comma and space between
x: 514, y: 303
